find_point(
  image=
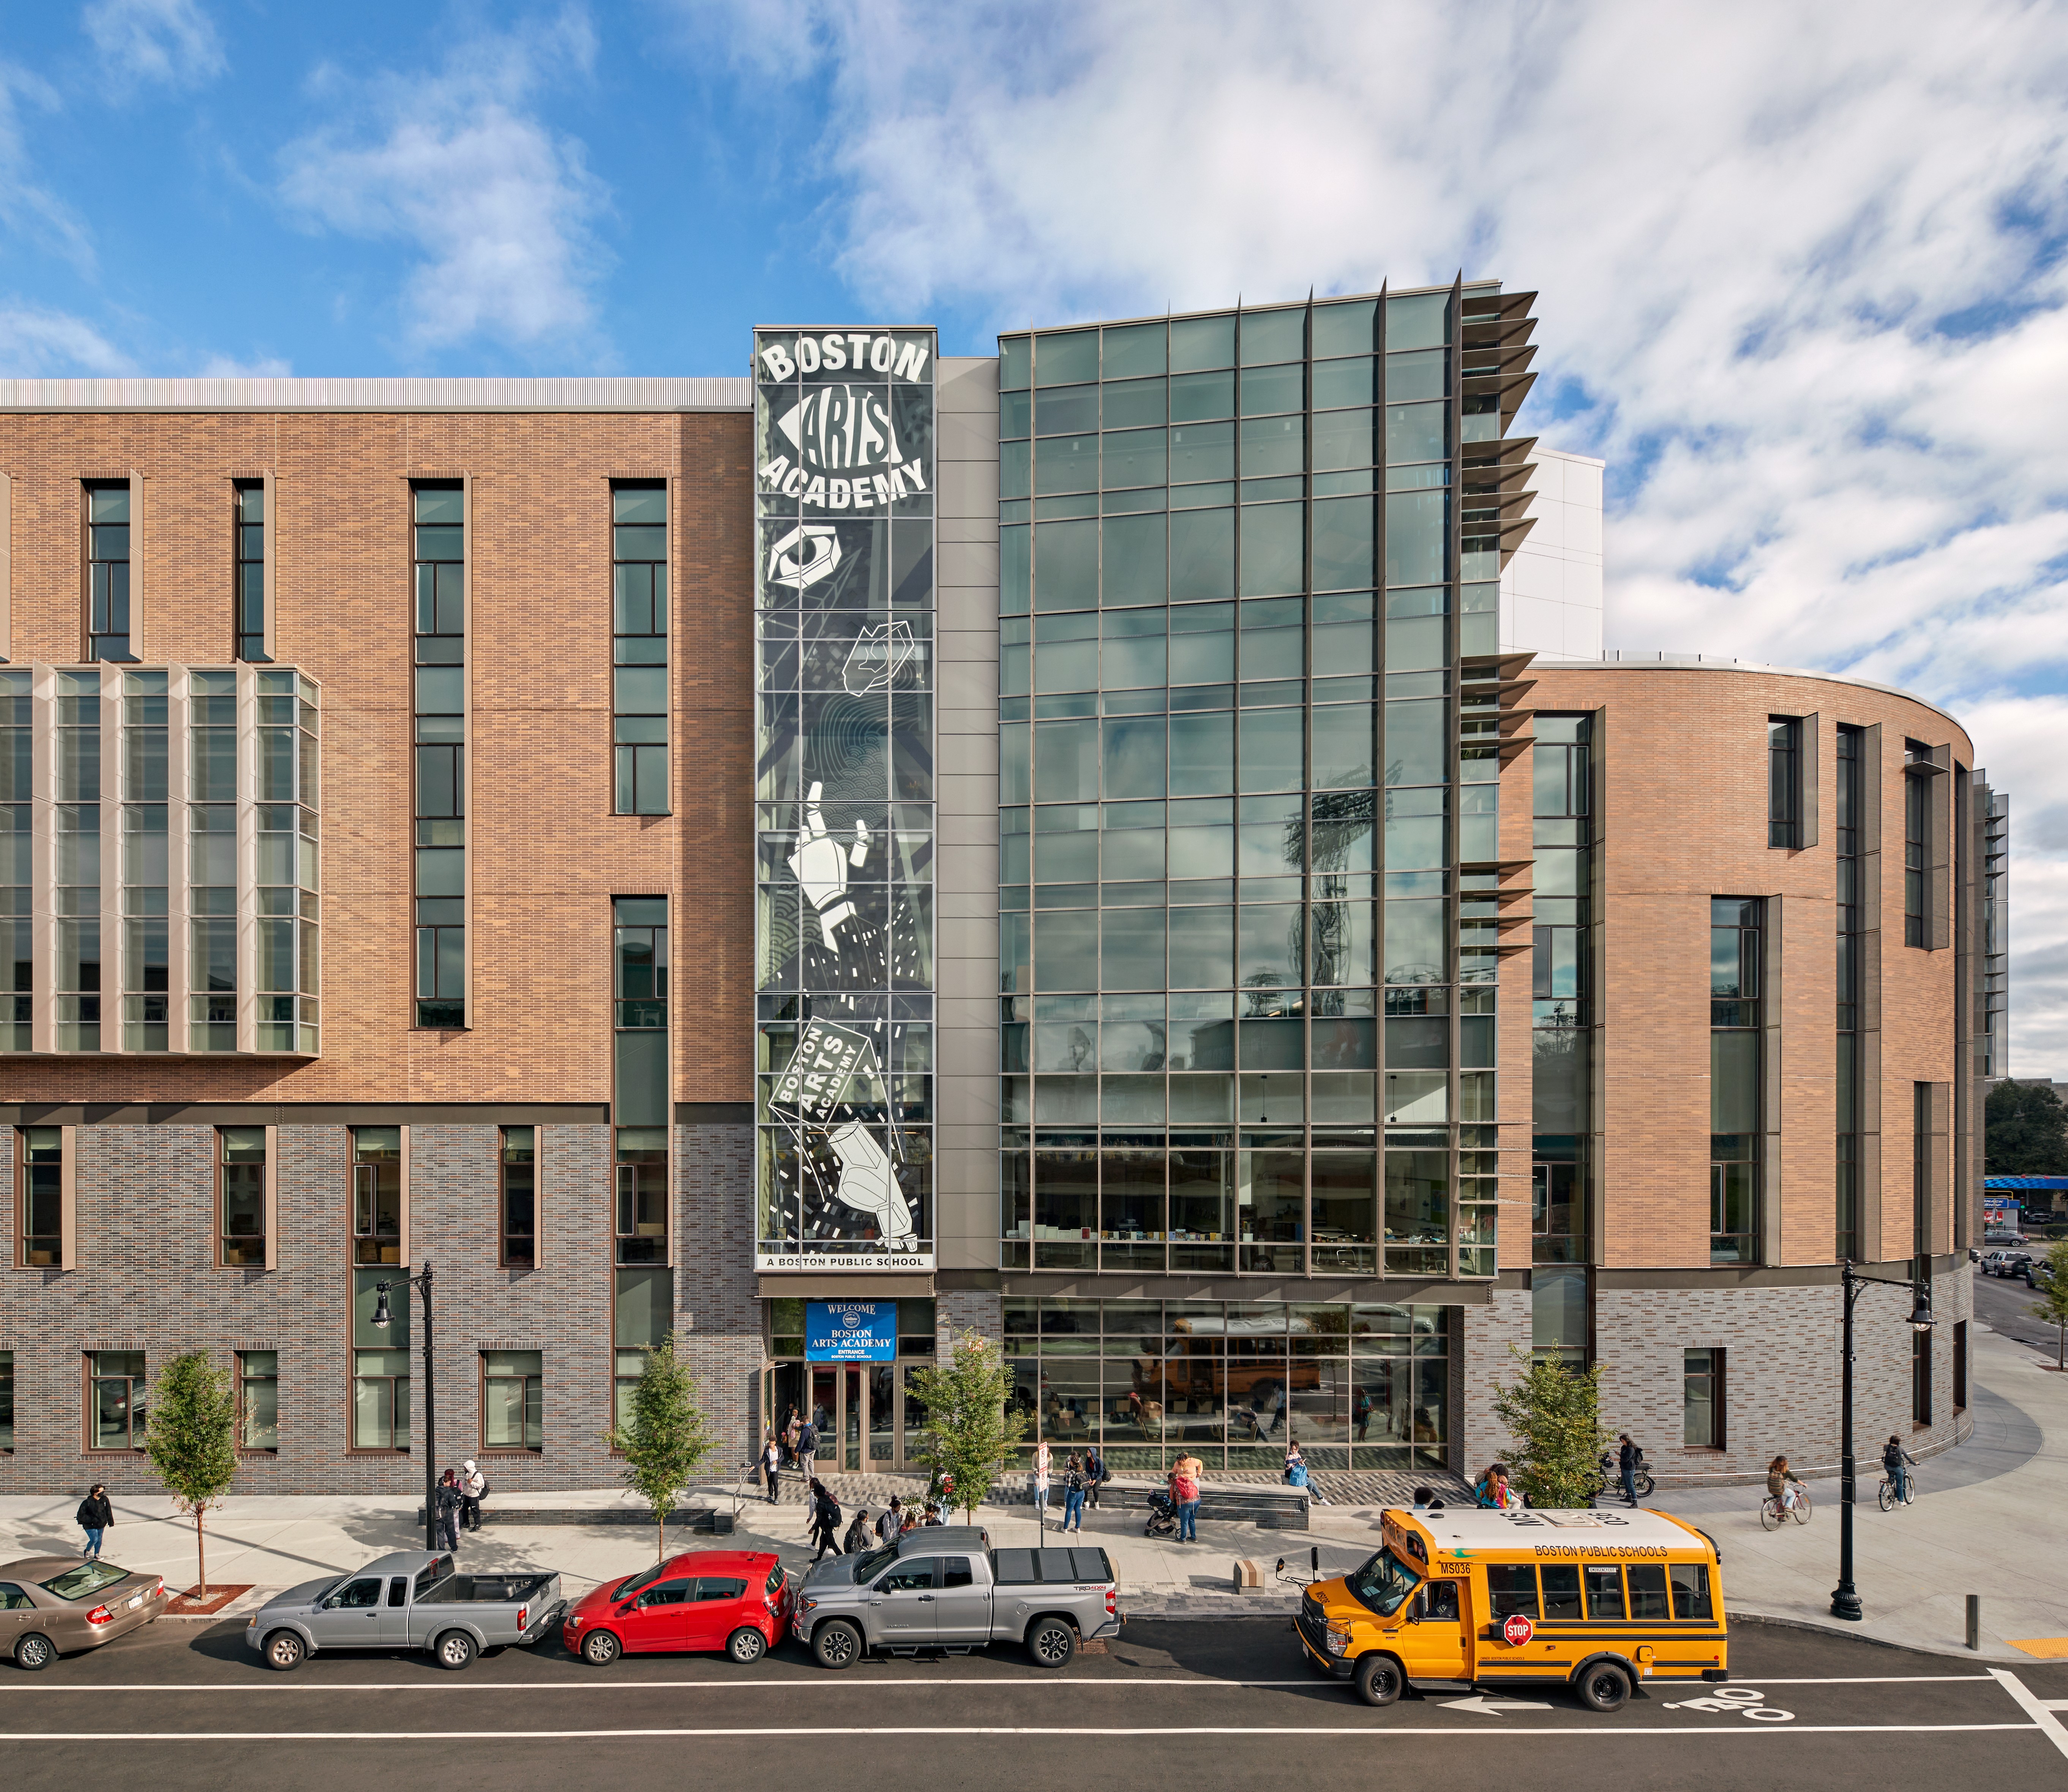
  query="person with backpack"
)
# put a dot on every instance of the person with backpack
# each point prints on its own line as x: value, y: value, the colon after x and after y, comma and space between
x: 891, y: 1526
x: 94, y: 1516
x: 825, y: 1520
x: 807, y: 1451
x: 859, y: 1533
x: 473, y: 1490
x: 1896, y: 1463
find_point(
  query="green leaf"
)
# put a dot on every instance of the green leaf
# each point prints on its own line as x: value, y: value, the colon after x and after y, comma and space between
x: 1553, y: 1414
x: 969, y: 1433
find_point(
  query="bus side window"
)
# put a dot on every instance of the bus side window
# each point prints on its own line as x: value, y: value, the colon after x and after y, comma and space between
x: 1604, y: 1590
x: 1561, y: 1590
x: 1691, y: 1589
x: 1511, y: 1587
x: 1440, y: 1601
x: 1647, y: 1592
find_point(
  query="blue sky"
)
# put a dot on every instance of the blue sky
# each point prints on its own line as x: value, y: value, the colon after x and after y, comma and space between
x: 1801, y: 270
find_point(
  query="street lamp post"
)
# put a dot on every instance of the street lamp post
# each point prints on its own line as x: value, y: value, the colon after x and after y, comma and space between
x: 382, y: 1317
x: 1845, y: 1596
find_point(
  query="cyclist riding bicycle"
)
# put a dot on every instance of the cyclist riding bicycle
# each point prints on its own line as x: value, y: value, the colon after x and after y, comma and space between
x: 1893, y: 1458
x: 1781, y: 1482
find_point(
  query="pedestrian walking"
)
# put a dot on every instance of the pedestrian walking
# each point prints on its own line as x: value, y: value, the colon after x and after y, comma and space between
x: 1073, y: 1493
x: 447, y: 1513
x: 860, y: 1533
x: 1893, y: 1458
x: 1096, y: 1476
x: 1184, y: 1482
x: 771, y: 1467
x: 1038, y: 1483
x: 1627, y: 1458
x: 892, y: 1524
x: 825, y: 1520
x: 807, y: 1451
x: 791, y: 1425
x: 473, y: 1490
x: 95, y: 1515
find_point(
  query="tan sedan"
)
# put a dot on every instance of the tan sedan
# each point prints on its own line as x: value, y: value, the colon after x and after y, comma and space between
x: 54, y: 1605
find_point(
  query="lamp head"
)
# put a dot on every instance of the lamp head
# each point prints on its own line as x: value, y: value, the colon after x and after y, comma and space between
x: 1920, y: 1311
x: 380, y: 1316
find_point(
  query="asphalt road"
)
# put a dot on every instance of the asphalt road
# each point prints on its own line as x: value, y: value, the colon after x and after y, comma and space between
x: 1201, y: 1704
x: 2001, y: 1303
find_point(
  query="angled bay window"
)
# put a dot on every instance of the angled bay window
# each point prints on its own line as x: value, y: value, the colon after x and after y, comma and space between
x: 1735, y: 927
x: 381, y: 1360
x: 642, y: 1106
x: 39, y: 1197
x: 17, y: 954
x: 438, y: 516
x: 240, y: 1206
x: 288, y: 949
x: 1783, y: 780
x: 106, y: 520
x: 639, y: 646
x: 518, y: 1213
x: 212, y: 867
x: 250, y: 572
x: 146, y: 863
x: 376, y: 1195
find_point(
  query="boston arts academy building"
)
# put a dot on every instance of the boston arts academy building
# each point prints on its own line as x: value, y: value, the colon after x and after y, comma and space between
x: 1126, y: 845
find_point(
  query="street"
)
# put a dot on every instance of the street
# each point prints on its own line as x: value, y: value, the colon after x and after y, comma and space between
x: 2004, y: 1304
x: 1200, y: 1703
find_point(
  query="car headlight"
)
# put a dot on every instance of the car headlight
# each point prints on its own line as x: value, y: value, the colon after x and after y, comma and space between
x: 574, y: 1621
x: 1337, y: 1640
x: 808, y: 1605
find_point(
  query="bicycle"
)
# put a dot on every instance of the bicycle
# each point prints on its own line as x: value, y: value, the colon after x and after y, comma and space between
x: 1889, y: 1499
x: 1772, y: 1513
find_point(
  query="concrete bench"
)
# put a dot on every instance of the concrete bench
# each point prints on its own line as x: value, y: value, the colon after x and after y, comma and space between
x: 686, y: 1517
x: 1267, y: 1508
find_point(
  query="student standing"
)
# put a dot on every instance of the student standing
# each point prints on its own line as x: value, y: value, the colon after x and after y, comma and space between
x: 1039, y: 1482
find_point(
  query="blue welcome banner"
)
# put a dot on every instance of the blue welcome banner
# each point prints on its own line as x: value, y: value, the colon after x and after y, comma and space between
x: 850, y: 1330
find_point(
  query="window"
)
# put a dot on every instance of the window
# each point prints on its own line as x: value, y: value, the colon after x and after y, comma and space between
x: 251, y: 572
x: 519, y: 1212
x: 512, y: 1400
x: 16, y: 871
x: 258, y: 1400
x: 642, y: 1193
x: 376, y: 1194
x: 6, y: 1402
x: 1917, y: 831
x: 639, y: 646
x: 1783, y: 780
x: 1702, y: 1399
x: 1604, y: 1584
x: 212, y: 959
x: 1512, y: 1589
x: 1647, y: 1592
x: 1734, y: 1078
x: 438, y: 516
x: 380, y: 1361
x: 39, y: 1197
x: 641, y: 1087
x: 76, y: 827
x: 1561, y: 1590
x: 1691, y: 1589
x: 1562, y: 1004
x: 108, y: 570
x: 115, y: 1401
x: 642, y: 1315
x: 1920, y: 1378
x: 241, y: 1197
x: 1852, y: 820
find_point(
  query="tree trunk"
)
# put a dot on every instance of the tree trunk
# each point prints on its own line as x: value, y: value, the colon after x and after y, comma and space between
x: 661, y: 1538
x: 200, y: 1551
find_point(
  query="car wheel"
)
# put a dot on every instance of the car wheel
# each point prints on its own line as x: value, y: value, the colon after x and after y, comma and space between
x: 747, y: 1644
x: 454, y: 1651
x: 1379, y: 1679
x: 1604, y: 1687
x: 599, y: 1648
x: 284, y: 1651
x: 838, y: 1644
x: 1051, y: 1643
x: 34, y: 1653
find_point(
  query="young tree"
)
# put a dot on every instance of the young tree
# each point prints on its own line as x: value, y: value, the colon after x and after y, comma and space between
x: 1554, y: 1415
x: 2053, y: 1302
x: 968, y: 1429
x: 666, y: 1438
x: 192, y: 1440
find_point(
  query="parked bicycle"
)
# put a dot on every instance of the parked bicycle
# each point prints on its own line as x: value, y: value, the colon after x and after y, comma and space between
x: 1775, y: 1510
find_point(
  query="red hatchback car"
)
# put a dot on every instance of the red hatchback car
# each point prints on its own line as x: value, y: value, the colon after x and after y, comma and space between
x: 736, y: 1600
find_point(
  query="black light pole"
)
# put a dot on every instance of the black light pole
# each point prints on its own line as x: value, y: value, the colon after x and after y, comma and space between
x: 1845, y: 1596
x: 380, y: 1318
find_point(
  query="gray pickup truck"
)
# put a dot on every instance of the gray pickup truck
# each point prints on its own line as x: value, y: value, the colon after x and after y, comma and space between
x: 944, y: 1587
x: 412, y: 1599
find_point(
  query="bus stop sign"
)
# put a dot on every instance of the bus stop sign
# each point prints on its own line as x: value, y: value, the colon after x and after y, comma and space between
x: 1517, y: 1630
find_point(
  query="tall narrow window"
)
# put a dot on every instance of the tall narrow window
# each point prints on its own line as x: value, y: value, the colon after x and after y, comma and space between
x: 115, y: 1410
x: 76, y: 824
x: 1561, y: 1007
x: 258, y: 1400
x: 241, y: 1197
x: 1734, y: 1078
x: 1920, y: 1176
x: 1920, y: 1378
x: 519, y: 1215
x: 379, y: 1360
x: 17, y: 954
x: 1852, y: 749
x: 512, y: 1400
x: 1702, y: 1400
x: 440, y: 525
x: 146, y: 865
x: 641, y: 1107
x: 107, y: 572
x: 7, y: 1403
x: 1916, y: 846
x: 642, y: 1314
x: 39, y: 1197
x: 286, y: 958
x: 639, y: 646
x: 250, y: 574
x: 212, y: 793
x: 377, y: 1195
x: 1783, y: 780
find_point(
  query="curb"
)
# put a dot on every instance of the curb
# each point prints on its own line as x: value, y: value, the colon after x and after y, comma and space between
x: 1955, y: 1653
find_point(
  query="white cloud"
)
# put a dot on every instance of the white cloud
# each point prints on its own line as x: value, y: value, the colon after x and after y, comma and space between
x: 27, y: 208
x: 496, y: 206
x: 36, y: 343
x: 169, y: 41
x: 1801, y: 277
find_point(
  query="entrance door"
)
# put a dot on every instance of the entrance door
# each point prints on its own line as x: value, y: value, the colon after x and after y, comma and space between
x: 825, y: 1410
x: 854, y: 1410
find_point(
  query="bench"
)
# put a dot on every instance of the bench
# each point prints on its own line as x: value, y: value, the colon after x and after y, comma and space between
x: 685, y: 1517
x: 1267, y: 1508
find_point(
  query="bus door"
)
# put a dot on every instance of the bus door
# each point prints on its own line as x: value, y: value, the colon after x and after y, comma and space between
x: 1438, y: 1637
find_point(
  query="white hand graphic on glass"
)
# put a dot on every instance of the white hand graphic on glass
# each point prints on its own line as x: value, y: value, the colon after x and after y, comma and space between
x: 820, y: 864
x: 878, y: 654
x: 869, y: 1182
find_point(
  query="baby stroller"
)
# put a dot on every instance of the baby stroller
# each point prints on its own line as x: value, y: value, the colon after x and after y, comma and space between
x: 1162, y: 1515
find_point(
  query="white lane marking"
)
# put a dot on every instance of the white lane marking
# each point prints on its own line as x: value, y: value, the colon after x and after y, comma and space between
x: 2036, y: 1709
x: 1494, y: 1706
x: 1588, y: 1732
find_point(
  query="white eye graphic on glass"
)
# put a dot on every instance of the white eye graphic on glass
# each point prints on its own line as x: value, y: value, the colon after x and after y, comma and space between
x: 820, y: 864
x: 804, y: 556
x: 878, y: 654
x: 868, y: 1184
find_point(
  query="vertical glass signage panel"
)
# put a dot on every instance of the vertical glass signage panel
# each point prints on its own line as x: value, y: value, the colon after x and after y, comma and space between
x: 843, y: 928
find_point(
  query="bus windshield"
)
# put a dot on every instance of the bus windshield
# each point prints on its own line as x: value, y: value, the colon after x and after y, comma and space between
x: 1382, y: 1583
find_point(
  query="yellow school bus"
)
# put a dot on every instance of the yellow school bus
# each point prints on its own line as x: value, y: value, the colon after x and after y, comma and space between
x: 1599, y: 1601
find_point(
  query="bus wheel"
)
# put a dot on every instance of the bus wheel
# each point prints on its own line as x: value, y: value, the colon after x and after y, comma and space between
x: 1379, y: 1679
x: 1603, y: 1686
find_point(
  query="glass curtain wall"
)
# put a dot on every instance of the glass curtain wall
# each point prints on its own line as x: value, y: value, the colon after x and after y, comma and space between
x: 1362, y: 1386
x: 1241, y: 1017
x: 844, y: 930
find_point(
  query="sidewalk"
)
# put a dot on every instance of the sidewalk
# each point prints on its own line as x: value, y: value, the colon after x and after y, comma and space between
x: 1984, y: 1522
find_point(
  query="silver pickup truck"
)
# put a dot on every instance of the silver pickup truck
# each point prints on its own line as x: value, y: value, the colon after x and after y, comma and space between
x: 412, y: 1599
x: 944, y: 1587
